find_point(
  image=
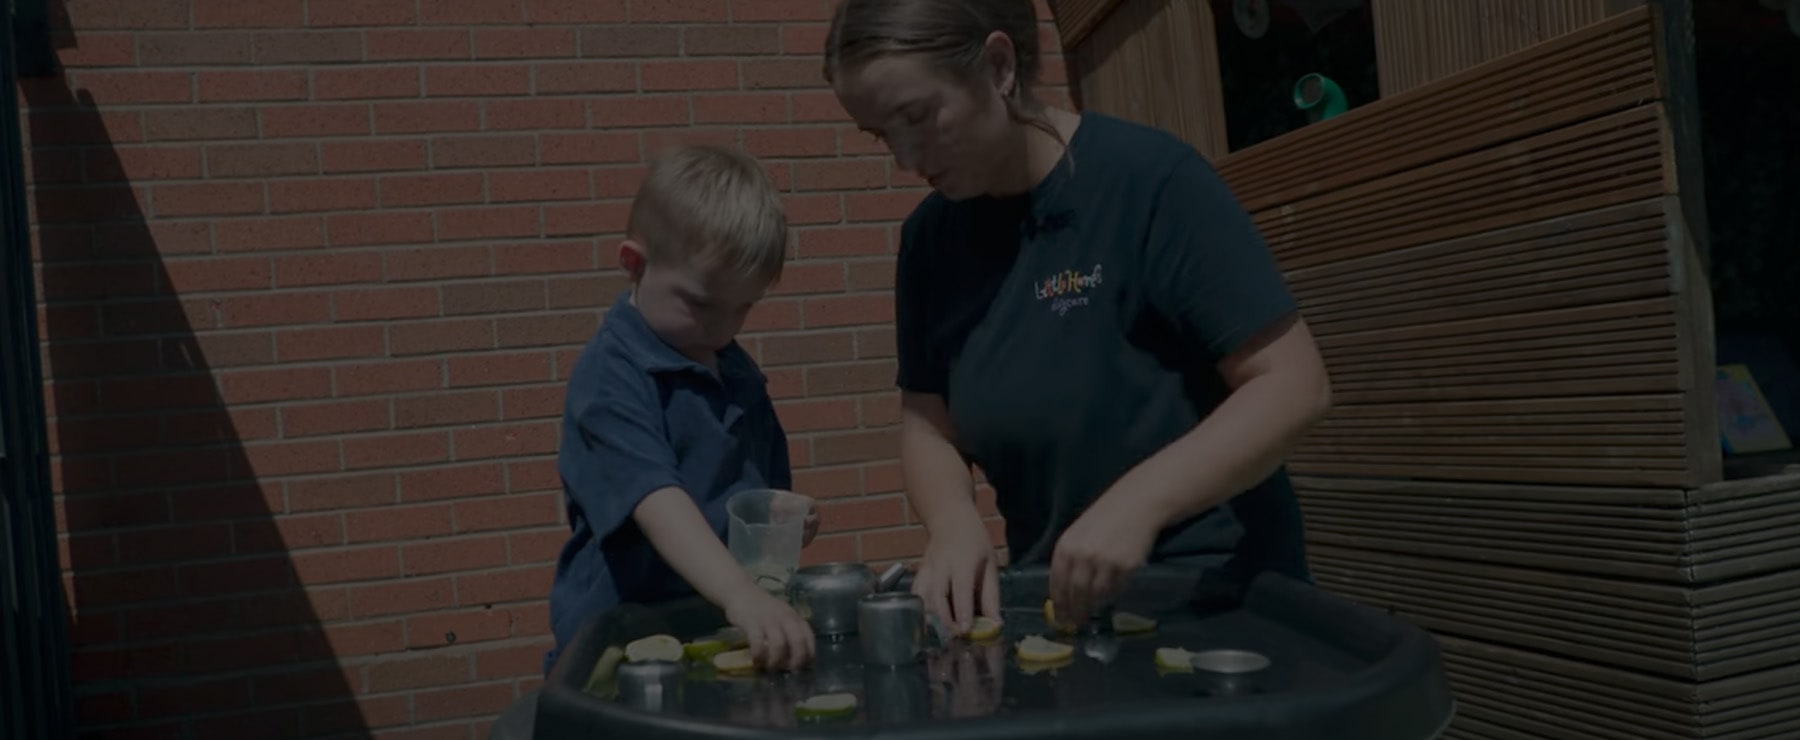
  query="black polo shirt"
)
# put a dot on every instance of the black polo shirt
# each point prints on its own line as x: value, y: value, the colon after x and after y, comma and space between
x: 1075, y: 331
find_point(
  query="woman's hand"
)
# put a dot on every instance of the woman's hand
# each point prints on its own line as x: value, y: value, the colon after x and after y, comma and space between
x: 959, y: 579
x: 1096, y: 556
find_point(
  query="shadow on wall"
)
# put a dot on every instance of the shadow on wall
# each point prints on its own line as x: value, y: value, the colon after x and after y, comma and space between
x: 188, y: 618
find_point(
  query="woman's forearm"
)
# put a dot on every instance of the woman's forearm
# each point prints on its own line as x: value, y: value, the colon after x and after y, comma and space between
x: 938, y: 482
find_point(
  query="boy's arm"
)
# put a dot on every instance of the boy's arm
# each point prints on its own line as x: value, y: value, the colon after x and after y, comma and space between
x: 680, y: 533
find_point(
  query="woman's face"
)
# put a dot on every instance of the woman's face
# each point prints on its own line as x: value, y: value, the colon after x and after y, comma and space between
x: 953, y: 133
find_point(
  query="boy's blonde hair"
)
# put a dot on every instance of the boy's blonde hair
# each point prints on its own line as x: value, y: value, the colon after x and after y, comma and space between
x: 714, y: 207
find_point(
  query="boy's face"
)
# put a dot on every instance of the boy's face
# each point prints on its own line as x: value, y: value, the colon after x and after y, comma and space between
x: 696, y: 310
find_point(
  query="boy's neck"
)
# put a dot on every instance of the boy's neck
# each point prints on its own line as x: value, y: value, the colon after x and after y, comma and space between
x: 707, y: 359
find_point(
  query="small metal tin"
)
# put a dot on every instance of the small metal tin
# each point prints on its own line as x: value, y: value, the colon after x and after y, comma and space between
x: 654, y: 686
x: 1231, y: 672
x: 826, y: 595
x: 891, y: 627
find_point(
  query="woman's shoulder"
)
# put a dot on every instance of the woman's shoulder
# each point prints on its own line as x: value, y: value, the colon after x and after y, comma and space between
x: 1128, y: 148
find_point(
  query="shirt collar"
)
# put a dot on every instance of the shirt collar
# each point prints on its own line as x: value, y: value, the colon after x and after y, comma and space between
x: 659, y: 357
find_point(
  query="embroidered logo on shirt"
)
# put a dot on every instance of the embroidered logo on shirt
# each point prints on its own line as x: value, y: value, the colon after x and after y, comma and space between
x: 1067, y: 289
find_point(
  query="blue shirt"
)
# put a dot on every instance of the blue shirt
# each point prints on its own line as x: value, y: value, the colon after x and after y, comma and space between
x: 639, y: 416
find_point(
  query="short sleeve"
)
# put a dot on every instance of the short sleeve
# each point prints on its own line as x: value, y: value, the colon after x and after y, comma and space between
x: 616, y: 452
x: 922, y: 365
x: 1206, y: 267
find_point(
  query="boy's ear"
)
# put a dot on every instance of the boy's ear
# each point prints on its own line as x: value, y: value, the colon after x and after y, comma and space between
x: 632, y: 259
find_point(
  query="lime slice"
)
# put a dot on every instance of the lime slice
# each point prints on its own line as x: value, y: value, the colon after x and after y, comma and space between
x: 1174, y: 659
x: 605, y: 669
x: 826, y: 706
x: 654, y: 648
x: 1126, y: 623
x: 1035, y: 649
x: 704, y: 649
x: 984, y: 628
x: 736, y: 661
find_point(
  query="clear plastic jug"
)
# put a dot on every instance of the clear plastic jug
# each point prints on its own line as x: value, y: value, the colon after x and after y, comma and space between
x: 765, y: 532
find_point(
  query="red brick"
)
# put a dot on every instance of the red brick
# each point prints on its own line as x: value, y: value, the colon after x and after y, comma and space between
x: 325, y: 13
x: 455, y: 224
x: 253, y: 386
x: 542, y: 402
x: 276, y: 459
x: 471, y: 12
x: 893, y: 544
x: 511, y: 661
x: 499, y: 369
x: 822, y: 107
x: 385, y: 303
x: 770, y: 74
x: 459, y: 628
x: 418, y: 44
x: 427, y: 117
x: 586, y: 219
x: 694, y: 75
x: 561, y: 329
x: 544, y: 257
x: 275, y: 309
x: 452, y: 481
x: 597, y: 147
x: 329, y: 343
x: 848, y: 310
x: 327, y: 269
x: 875, y: 342
x: 463, y: 701
x: 882, y: 206
x: 863, y: 513
x: 239, y: 14
x: 418, y: 672
x: 400, y: 597
x: 443, y: 409
x: 97, y: 49
x: 814, y: 415
x: 840, y: 482
x: 861, y: 377
x: 334, y: 418
x: 846, y: 174
x: 137, y: 88
x: 322, y: 194
x: 853, y: 141
x: 189, y: 275
x: 831, y: 549
x: 128, y: 14
x: 810, y: 277
x: 193, y: 49
x: 735, y: 40
x: 433, y: 189
x: 506, y: 441
x: 511, y: 585
x: 678, y: 11
x: 846, y: 241
x: 367, y: 639
x: 434, y: 337
x: 358, y: 229
x: 810, y: 347
x: 300, y: 121
x: 346, y: 566
x: 461, y: 80
x: 191, y: 698
x: 771, y: 315
x: 508, y: 512
x: 525, y: 43
x: 340, y: 491
x: 815, y: 141
x: 535, y: 115
x: 437, y: 262
x: 396, y: 449
x: 622, y: 40
x: 375, y: 378
x: 89, y: 205
x: 557, y: 78
x: 877, y: 411
x: 307, y: 47
x: 848, y: 447
x: 493, y: 150
x: 356, y: 83
x: 261, y: 160
x: 740, y: 108
x: 138, y: 163
x: 808, y: 38
x: 538, y: 185
x: 269, y: 233
x: 781, y: 10
x: 374, y: 156
x: 191, y: 124
x: 452, y: 555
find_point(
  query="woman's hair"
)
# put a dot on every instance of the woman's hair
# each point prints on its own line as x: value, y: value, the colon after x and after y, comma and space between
x: 951, y: 35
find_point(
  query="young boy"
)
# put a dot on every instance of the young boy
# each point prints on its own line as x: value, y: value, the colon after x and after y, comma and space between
x: 667, y: 417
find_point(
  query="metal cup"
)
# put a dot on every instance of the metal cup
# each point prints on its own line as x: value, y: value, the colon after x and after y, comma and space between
x: 1231, y: 672
x: 891, y: 627
x: 826, y: 595
x: 654, y: 686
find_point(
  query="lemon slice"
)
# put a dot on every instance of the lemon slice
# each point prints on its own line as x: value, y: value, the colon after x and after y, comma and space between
x: 825, y: 706
x: 1050, y: 619
x: 1174, y: 659
x: 983, y: 628
x: 1035, y: 649
x: 654, y: 648
x: 1126, y: 623
x: 704, y: 649
x: 1032, y: 669
x: 736, y: 661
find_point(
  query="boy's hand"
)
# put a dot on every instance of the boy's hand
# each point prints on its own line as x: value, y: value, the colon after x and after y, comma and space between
x: 779, y: 638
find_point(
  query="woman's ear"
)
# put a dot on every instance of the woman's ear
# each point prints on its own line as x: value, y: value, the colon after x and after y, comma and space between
x: 1002, y: 62
x: 632, y: 259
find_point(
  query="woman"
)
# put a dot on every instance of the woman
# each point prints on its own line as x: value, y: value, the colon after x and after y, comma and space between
x: 1084, y: 311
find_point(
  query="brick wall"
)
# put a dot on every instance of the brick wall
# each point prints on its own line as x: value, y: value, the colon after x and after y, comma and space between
x: 313, y: 274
